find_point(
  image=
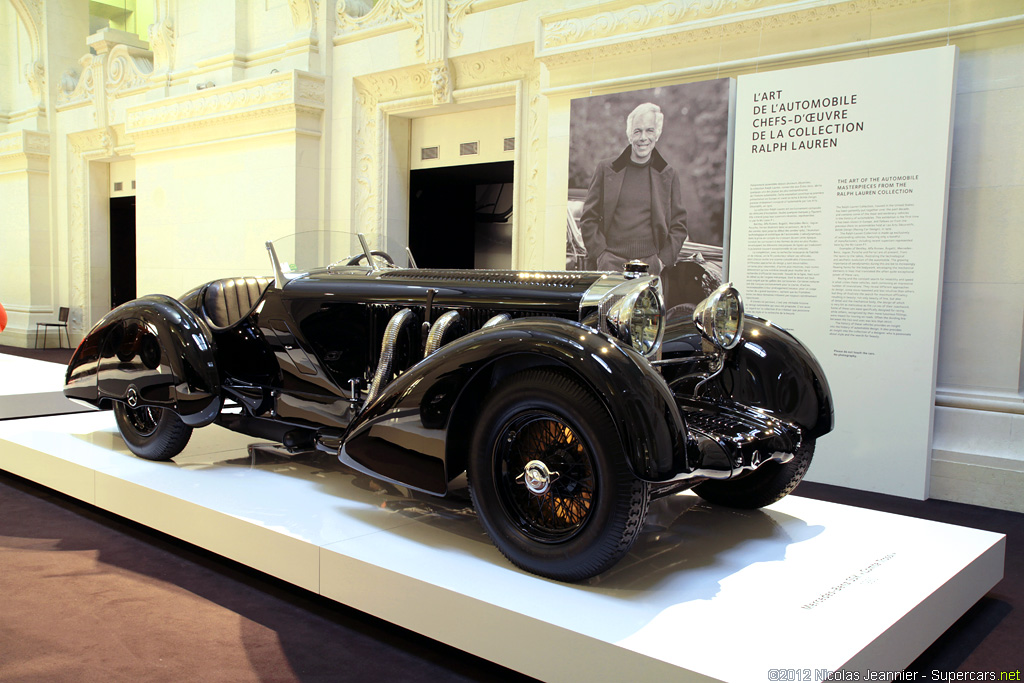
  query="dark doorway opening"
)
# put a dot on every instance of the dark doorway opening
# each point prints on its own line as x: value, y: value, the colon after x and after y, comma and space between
x: 461, y: 216
x: 122, y: 250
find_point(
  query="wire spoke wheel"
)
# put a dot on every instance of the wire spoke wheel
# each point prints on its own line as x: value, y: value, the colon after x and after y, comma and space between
x: 545, y: 476
x: 549, y: 477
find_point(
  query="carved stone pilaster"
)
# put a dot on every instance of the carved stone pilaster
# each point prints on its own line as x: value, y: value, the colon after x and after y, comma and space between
x: 369, y: 172
x: 530, y: 251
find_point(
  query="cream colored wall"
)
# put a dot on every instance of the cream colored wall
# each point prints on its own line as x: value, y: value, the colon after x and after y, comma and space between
x: 25, y: 285
x: 15, y: 95
x: 216, y: 206
x: 206, y: 36
x: 488, y: 127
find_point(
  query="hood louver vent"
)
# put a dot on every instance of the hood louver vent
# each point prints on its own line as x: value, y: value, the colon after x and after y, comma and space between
x: 510, y: 277
x: 428, y: 153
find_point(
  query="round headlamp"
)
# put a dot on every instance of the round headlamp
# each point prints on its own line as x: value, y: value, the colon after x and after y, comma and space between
x: 720, y: 317
x: 638, y: 318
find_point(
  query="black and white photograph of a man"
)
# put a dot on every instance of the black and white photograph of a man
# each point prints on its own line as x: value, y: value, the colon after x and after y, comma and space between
x: 647, y: 181
x: 634, y: 206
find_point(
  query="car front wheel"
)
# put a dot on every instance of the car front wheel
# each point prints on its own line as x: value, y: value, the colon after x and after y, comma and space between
x: 767, y: 484
x: 151, y: 433
x: 549, y: 479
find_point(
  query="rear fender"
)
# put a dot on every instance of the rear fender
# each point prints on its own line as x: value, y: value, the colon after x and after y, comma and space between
x: 407, y: 433
x: 152, y: 351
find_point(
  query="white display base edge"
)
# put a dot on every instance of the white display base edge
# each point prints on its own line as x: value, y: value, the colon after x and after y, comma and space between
x: 30, y: 387
x: 707, y: 594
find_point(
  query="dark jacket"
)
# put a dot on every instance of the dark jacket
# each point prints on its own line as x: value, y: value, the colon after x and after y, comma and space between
x: 668, y: 216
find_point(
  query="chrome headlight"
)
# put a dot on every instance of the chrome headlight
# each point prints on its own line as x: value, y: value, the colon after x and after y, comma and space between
x: 720, y: 317
x: 637, y: 315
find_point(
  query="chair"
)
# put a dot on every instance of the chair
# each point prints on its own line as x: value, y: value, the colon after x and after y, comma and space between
x: 62, y: 318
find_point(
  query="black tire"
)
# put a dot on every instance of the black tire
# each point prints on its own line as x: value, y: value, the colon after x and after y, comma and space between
x: 766, y: 485
x: 151, y: 433
x: 593, y: 507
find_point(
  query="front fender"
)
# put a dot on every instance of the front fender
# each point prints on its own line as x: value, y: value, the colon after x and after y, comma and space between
x: 406, y: 430
x: 772, y: 370
x: 153, y: 350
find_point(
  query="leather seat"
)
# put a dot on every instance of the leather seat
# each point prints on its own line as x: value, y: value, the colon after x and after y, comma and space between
x: 225, y: 302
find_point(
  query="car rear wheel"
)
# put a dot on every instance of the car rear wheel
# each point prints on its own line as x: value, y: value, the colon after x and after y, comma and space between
x: 766, y: 485
x: 151, y: 433
x: 549, y: 479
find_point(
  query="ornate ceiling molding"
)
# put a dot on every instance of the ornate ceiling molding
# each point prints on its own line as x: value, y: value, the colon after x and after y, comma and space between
x: 279, y: 93
x: 560, y: 30
x: 565, y: 38
x: 494, y: 66
x: 290, y: 103
x: 355, y: 23
x: 397, y: 84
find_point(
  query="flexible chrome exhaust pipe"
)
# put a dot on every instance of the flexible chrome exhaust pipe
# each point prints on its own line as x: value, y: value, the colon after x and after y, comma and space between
x: 437, y: 331
x: 387, y: 352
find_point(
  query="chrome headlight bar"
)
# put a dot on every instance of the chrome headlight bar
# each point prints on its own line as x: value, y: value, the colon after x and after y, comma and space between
x: 719, y: 318
x: 632, y: 311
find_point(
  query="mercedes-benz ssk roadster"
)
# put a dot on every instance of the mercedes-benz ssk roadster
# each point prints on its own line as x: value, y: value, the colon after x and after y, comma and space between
x: 567, y: 398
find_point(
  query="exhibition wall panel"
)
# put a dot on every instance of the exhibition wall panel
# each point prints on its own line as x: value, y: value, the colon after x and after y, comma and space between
x: 839, y: 219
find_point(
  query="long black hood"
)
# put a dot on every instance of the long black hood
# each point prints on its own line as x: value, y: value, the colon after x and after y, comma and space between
x: 556, y: 293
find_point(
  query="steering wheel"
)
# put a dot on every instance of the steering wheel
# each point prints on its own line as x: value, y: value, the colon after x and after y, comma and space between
x: 354, y: 261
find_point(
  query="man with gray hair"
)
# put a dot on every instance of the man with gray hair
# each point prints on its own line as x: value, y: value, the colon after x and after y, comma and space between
x: 634, y: 207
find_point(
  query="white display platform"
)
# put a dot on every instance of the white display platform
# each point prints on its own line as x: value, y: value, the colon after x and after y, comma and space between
x: 33, y: 387
x: 707, y: 594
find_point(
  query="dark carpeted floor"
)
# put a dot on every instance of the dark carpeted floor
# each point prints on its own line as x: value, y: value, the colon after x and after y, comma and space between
x: 90, y: 596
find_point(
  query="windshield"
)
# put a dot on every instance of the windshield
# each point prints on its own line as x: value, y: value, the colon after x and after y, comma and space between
x: 302, y: 252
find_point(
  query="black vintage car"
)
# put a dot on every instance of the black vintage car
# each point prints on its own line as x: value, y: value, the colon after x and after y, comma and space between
x: 567, y: 398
